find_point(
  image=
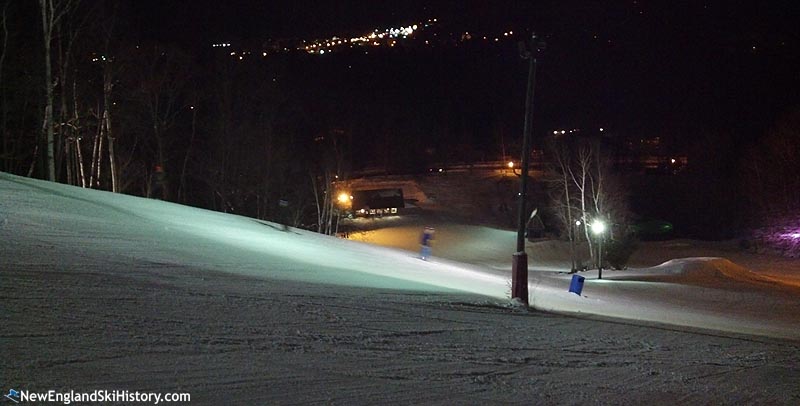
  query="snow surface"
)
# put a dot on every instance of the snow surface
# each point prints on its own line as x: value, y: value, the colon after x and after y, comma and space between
x: 104, y: 291
x: 703, y: 292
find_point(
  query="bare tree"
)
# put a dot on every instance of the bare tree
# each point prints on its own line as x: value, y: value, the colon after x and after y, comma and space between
x: 52, y: 13
x: 97, y: 150
x: 562, y: 195
x: 108, y: 85
x: 323, y: 197
x: 770, y: 171
x: 76, y: 159
x: 109, y: 76
x: 158, y: 82
x: 580, y: 173
x: 585, y: 189
x: 66, y: 129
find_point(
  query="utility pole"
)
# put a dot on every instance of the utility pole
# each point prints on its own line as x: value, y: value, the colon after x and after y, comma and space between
x: 519, y: 263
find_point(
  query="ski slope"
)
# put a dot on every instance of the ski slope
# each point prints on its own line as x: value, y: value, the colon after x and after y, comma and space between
x: 109, y: 291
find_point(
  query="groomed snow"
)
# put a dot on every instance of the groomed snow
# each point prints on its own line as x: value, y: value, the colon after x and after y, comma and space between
x: 110, y: 291
x: 703, y: 292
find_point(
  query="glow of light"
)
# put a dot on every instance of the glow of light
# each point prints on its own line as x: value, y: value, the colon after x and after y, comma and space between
x: 414, y: 27
x: 344, y: 197
x: 555, y: 132
x: 672, y: 160
x: 563, y: 132
x: 264, y: 54
x: 577, y: 223
x: 511, y: 33
x: 511, y: 164
x: 598, y: 227
x: 601, y: 129
x: 321, y: 51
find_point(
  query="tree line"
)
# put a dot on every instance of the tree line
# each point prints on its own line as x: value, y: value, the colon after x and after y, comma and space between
x: 86, y: 103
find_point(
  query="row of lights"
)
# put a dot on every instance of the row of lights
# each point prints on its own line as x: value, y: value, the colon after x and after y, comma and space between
x: 467, y: 36
x: 574, y: 130
x: 373, y: 38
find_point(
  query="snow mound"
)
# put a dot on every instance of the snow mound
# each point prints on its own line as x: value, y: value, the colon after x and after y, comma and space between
x: 703, y: 267
x: 707, y: 271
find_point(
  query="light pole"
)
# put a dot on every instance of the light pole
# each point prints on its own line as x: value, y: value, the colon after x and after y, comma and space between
x: 519, y: 263
x: 598, y: 228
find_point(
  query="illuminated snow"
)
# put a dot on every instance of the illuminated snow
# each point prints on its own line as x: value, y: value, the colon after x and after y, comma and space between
x: 480, y: 265
x: 111, y: 291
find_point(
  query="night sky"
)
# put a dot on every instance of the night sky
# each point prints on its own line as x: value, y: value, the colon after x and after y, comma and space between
x: 660, y: 68
x: 710, y: 79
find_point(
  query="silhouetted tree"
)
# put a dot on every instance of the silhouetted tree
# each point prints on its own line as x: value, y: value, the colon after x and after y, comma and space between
x: 53, y: 12
x: 770, y: 171
x: 157, y: 83
x: 585, y: 188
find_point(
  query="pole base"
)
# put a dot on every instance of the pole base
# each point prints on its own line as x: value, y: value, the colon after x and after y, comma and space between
x: 519, y: 277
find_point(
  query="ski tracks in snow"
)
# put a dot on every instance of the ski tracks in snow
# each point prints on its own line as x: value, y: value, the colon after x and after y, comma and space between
x: 225, y: 338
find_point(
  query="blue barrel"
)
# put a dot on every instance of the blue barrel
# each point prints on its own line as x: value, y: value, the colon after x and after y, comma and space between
x: 576, y: 286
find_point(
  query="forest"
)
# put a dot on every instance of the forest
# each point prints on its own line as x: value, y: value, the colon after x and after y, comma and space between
x: 87, y: 102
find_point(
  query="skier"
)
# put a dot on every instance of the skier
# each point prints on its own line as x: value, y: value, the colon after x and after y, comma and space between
x: 425, y: 243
